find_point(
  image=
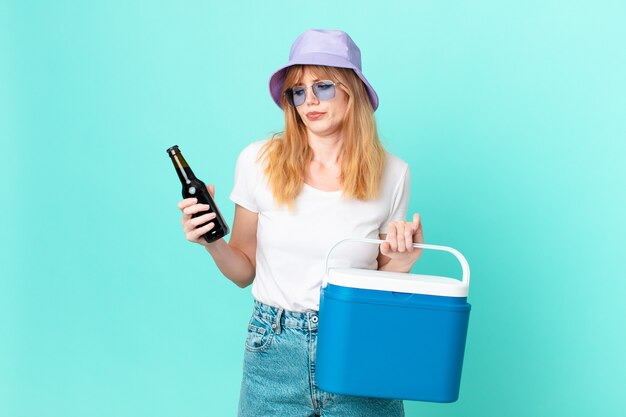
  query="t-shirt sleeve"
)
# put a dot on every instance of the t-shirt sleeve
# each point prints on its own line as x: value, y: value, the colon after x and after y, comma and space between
x: 400, y: 204
x: 245, y: 180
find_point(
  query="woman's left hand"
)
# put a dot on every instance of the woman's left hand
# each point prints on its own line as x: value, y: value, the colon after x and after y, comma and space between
x: 400, y: 238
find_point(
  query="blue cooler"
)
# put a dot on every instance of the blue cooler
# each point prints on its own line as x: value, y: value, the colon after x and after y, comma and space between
x: 392, y: 335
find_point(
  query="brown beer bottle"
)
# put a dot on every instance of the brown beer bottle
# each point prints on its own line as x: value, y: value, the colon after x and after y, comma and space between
x: 193, y: 187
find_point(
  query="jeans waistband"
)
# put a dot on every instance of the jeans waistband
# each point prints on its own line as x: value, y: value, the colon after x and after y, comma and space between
x: 285, y: 318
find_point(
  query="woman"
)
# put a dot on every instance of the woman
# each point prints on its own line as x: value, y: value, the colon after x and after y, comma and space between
x: 326, y: 177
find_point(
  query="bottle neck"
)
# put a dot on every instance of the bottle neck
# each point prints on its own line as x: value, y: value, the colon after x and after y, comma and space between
x: 185, y: 174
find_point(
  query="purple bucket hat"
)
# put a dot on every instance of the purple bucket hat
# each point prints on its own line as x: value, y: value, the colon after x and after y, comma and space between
x: 333, y: 48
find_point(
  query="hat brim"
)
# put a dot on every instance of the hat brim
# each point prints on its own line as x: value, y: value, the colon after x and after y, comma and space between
x: 278, y: 77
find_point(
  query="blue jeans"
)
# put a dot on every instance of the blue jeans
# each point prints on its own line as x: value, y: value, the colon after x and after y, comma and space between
x: 279, y: 372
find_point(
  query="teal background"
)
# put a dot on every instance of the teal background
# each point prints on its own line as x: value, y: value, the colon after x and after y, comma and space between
x: 510, y: 114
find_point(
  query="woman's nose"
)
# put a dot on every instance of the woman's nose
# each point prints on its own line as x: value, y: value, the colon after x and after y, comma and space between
x: 311, y: 98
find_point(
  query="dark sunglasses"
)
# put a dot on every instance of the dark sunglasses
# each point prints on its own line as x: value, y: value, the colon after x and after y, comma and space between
x: 323, y: 90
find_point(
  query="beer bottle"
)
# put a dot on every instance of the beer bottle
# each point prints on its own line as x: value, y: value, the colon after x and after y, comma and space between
x: 193, y: 187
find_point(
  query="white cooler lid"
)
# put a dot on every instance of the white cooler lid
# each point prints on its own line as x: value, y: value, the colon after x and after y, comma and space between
x: 371, y: 279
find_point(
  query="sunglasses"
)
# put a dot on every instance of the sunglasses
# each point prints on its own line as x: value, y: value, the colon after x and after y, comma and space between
x: 323, y: 90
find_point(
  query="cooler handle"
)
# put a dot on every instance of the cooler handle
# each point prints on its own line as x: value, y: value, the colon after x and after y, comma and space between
x: 456, y: 253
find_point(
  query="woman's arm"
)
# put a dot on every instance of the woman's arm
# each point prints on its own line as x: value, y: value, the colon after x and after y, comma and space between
x: 237, y: 258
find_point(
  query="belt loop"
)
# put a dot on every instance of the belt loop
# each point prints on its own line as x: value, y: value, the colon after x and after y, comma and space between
x: 277, y: 322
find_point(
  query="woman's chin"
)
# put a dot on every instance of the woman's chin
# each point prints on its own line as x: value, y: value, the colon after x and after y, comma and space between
x: 322, y: 130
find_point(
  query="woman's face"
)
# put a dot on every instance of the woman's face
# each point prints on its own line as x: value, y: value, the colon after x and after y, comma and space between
x: 322, y: 117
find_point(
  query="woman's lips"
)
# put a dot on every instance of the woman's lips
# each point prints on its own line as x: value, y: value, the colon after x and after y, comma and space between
x: 314, y: 115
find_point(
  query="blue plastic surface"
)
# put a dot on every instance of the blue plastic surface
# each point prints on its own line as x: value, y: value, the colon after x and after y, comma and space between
x: 391, y: 345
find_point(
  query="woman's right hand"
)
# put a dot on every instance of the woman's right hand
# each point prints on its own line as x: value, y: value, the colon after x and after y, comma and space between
x: 189, y: 206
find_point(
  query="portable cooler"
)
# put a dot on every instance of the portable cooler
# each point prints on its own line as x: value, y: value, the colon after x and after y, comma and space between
x: 392, y: 335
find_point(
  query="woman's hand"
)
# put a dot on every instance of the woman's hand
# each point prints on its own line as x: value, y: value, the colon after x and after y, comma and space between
x: 399, y: 242
x: 190, y: 206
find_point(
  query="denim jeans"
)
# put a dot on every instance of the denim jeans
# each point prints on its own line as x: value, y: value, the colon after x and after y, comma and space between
x: 279, y: 372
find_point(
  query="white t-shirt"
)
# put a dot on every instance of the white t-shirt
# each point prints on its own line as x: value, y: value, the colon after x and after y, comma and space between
x: 292, y: 246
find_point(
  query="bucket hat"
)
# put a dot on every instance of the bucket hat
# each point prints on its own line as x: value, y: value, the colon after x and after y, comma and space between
x: 333, y: 48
